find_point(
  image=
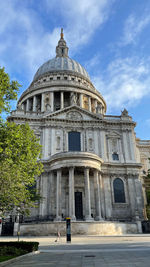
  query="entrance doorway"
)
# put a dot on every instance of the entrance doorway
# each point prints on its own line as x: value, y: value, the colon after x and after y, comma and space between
x: 78, y: 206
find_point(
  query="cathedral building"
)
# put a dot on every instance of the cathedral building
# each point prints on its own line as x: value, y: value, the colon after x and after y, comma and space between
x: 93, y: 162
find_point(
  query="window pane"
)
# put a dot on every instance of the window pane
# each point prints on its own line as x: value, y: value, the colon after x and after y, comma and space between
x: 74, y: 141
x: 115, y: 156
x: 119, y: 194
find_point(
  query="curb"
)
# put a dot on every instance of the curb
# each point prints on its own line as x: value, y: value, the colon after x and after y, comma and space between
x: 4, y: 263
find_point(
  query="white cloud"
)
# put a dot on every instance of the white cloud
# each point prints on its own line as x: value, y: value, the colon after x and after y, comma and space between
x: 86, y: 16
x: 133, y: 26
x: 124, y: 83
x: 25, y: 43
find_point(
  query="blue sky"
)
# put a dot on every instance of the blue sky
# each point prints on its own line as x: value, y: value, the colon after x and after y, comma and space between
x: 110, y: 38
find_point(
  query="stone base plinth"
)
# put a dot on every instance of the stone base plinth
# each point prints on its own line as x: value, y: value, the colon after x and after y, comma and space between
x: 79, y: 228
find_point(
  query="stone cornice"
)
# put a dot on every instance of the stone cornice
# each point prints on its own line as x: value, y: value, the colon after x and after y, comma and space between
x: 121, y: 169
x: 73, y: 159
x: 48, y: 119
x: 122, y: 165
x: 50, y: 122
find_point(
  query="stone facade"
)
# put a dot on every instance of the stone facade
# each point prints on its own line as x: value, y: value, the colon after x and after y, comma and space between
x: 92, y: 162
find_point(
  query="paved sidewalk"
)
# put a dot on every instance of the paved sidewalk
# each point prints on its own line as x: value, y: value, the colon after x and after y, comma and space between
x: 90, y: 252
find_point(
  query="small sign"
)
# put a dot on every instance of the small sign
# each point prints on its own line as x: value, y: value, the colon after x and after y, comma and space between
x: 68, y: 229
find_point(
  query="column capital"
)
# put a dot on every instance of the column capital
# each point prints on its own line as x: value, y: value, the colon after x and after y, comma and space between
x: 87, y: 169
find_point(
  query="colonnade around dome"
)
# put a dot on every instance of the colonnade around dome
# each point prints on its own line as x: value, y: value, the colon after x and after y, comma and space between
x: 56, y: 100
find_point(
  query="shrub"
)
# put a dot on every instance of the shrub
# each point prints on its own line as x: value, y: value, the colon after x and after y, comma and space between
x: 23, y: 245
x: 11, y: 251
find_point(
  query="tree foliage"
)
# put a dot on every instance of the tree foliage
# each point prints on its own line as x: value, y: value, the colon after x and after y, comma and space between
x: 147, y: 191
x: 19, y: 150
x: 8, y: 91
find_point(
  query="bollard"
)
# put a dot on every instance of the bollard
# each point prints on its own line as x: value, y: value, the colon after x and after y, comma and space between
x: 68, y: 230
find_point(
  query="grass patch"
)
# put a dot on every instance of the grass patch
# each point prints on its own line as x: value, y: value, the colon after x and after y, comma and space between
x: 6, y: 258
x: 9, y: 250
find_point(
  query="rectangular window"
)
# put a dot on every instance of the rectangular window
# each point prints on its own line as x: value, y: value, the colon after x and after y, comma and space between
x: 115, y: 156
x: 74, y: 143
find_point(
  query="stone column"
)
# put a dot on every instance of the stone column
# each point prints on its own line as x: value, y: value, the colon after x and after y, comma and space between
x: 34, y: 103
x: 97, y: 195
x: 95, y: 105
x: 71, y: 195
x: 87, y: 195
x: 27, y: 106
x: 42, y: 102
x: 62, y: 100
x: 52, y: 101
x: 43, y: 193
x: 89, y: 100
x: 81, y: 100
x: 58, y: 196
x: 22, y: 106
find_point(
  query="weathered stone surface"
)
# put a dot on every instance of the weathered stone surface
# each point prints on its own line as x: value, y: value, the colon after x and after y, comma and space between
x: 83, y: 228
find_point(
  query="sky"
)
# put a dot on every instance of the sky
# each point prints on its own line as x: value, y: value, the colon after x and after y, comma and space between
x: 110, y: 38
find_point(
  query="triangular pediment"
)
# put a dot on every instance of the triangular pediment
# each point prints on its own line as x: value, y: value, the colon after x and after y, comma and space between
x: 73, y: 113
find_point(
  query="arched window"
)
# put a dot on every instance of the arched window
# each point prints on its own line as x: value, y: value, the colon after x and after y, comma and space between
x: 119, y: 194
x: 74, y: 141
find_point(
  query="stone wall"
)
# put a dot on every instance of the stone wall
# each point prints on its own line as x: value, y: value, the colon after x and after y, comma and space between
x: 81, y: 228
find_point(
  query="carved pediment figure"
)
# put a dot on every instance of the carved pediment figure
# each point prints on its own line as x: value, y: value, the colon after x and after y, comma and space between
x: 73, y: 115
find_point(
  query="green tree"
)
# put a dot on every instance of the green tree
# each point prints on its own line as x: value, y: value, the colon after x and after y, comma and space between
x: 8, y: 90
x: 19, y: 150
x: 147, y: 190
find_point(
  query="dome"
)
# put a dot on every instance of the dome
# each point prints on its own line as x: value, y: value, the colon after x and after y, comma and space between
x: 61, y: 64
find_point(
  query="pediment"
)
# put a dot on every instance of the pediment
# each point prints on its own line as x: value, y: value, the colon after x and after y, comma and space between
x: 73, y: 113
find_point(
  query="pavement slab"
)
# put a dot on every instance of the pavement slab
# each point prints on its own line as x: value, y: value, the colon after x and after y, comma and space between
x: 127, y: 251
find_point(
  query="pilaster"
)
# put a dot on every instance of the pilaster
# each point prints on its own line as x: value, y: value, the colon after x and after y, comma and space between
x: 97, y: 195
